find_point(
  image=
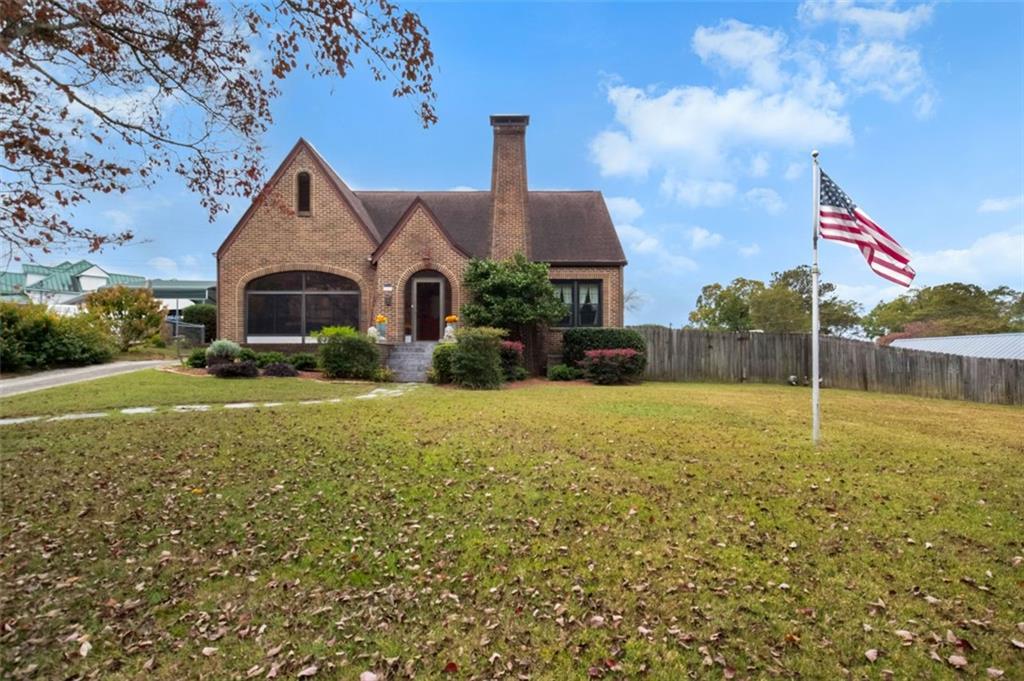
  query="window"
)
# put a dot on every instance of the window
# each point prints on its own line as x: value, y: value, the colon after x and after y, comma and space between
x: 298, y: 304
x: 582, y: 299
x: 302, y: 195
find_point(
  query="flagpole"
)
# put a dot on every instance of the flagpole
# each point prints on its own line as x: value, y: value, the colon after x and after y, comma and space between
x: 815, y: 322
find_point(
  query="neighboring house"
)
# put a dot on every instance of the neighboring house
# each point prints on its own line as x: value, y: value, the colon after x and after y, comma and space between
x: 66, y: 285
x: 314, y: 252
x: 994, y: 345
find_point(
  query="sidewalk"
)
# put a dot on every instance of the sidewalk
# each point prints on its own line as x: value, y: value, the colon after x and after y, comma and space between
x: 59, y: 377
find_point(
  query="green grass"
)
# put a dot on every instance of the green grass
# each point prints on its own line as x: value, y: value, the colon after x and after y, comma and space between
x: 491, y: 529
x: 152, y: 387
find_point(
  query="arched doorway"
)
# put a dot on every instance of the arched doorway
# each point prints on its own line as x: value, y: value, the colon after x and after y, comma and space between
x: 428, y: 300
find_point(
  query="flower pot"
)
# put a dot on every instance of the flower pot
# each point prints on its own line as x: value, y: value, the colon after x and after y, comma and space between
x: 382, y: 330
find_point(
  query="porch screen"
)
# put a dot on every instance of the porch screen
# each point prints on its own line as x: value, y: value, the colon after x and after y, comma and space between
x: 300, y: 303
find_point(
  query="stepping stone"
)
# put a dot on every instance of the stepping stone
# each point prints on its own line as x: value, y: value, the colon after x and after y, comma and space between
x: 240, y: 405
x: 191, y: 407
x: 138, y: 410
x: 313, y: 401
x: 20, y: 419
x: 272, y: 404
x: 76, y: 417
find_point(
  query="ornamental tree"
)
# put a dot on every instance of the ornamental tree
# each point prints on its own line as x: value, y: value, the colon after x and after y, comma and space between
x: 133, y: 315
x: 105, y: 96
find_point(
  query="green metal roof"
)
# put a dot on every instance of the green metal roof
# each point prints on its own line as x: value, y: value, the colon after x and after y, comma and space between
x: 11, y: 282
x: 114, y: 279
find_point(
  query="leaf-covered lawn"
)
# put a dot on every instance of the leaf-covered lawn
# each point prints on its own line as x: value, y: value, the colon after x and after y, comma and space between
x: 553, y: 532
x: 153, y: 387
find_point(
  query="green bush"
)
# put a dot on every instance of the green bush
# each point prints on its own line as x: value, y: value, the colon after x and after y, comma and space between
x: 280, y: 370
x: 266, y: 358
x: 33, y: 337
x: 441, y: 369
x: 204, y: 314
x: 576, y: 342
x: 234, y: 370
x: 563, y: 372
x: 196, y: 359
x: 302, y: 361
x: 384, y: 375
x: 610, y: 367
x: 222, y: 351
x: 247, y: 355
x: 346, y: 353
x: 476, y: 361
x: 133, y: 315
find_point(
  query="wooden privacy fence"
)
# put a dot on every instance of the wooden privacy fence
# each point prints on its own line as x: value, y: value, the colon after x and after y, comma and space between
x: 685, y: 355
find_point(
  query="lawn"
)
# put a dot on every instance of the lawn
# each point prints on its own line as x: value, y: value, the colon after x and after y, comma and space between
x: 662, y: 531
x: 152, y: 388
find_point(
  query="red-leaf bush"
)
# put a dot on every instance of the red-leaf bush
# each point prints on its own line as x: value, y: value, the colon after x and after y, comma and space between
x: 512, y: 365
x: 613, y: 366
x: 234, y: 370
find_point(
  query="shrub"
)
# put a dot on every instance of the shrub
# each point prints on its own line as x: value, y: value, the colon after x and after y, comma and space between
x: 612, y: 366
x: 204, y: 314
x: 133, y: 315
x: 441, y: 370
x: 476, y: 360
x: 303, y: 361
x: 576, y: 342
x: 384, y: 375
x: 264, y: 359
x: 512, y: 367
x: 234, y: 370
x: 346, y: 353
x: 197, y: 359
x: 33, y: 337
x: 563, y: 372
x: 221, y: 351
x: 279, y: 369
x: 247, y: 355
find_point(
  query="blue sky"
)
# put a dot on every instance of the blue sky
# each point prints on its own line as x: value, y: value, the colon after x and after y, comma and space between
x: 696, y: 121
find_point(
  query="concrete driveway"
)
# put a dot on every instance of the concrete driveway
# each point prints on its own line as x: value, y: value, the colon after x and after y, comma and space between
x: 58, y: 377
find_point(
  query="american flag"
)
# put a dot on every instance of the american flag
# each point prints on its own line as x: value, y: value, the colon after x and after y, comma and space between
x: 841, y: 220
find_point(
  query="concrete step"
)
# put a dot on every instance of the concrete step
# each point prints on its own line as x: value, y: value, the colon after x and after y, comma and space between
x: 410, y: 361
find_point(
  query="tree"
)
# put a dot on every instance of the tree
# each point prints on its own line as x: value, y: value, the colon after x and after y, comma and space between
x: 102, y: 97
x: 778, y: 309
x: 133, y: 315
x: 947, y: 310
x: 725, y: 308
x: 205, y: 314
x: 513, y: 294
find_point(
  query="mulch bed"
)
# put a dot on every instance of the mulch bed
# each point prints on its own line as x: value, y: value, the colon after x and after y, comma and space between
x: 308, y: 375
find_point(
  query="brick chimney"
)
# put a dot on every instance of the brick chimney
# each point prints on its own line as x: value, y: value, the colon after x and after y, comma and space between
x: 510, y: 225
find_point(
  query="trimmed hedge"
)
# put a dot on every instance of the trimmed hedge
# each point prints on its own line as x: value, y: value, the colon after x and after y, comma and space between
x: 614, y: 366
x: 264, y: 359
x: 234, y: 370
x: 303, y: 361
x: 279, y: 370
x: 563, y: 372
x: 197, y: 359
x: 576, y: 342
x: 33, y: 337
x: 476, y: 361
x: 247, y: 355
x: 346, y: 353
x: 441, y: 363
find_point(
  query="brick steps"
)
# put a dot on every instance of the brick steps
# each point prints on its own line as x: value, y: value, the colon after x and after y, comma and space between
x: 410, y: 361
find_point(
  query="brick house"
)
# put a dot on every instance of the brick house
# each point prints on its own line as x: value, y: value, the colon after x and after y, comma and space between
x: 316, y: 253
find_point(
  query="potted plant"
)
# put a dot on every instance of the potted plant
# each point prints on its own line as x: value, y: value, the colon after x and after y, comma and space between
x: 449, y: 329
x: 382, y: 326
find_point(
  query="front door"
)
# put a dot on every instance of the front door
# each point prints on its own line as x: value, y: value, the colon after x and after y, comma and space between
x: 428, y: 304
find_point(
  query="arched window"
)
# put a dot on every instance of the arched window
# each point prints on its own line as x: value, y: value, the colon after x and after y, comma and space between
x: 288, y: 306
x: 302, y: 193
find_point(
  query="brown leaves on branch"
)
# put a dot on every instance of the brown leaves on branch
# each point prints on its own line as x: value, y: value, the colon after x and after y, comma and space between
x: 103, y: 97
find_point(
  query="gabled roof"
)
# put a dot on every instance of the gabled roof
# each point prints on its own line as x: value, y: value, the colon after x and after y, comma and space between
x: 60, y: 278
x: 11, y: 283
x: 464, y: 216
x: 402, y: 221
x: 339, y: 185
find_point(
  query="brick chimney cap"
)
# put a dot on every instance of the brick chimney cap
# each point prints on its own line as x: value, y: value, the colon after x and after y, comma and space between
x: 502, y: 120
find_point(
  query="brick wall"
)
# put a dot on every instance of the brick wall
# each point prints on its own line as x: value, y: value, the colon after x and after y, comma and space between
x: 275, y: 239
x: 611, y: 297
x: 510, y: 231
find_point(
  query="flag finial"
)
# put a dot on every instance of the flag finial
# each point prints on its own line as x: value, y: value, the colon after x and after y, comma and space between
x: 814, y: 153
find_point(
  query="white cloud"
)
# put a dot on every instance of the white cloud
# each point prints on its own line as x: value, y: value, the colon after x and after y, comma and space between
x: 637, y: 240
x: 624, y: 209
x: 749, y: 251
x: 869, y: 295
x: 701, y: 238
x: 615, y: 153
x: 698, y: 192
x: 163, y: 265
x: 119, y: 219
x: 794, y: 171
x: 893, y: 71
x: 186, y: 267
x: 754, y: 50
x: 463, y: 188
x: 875, y: 20
x: 924, y: 105
x: 996, y: 258
x: 766, y: 199
x: 759, y: 165
x: 1000, y: 204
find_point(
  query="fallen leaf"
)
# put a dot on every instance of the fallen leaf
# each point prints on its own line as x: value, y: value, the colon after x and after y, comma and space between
x: 275, y: 650
x: 958, y: 661
x: 308, y: 671
x: 1016, y: 643
x: 994, y: 673
x: 871, y: 654
x: 907, y: 636
x: 85, y: 648
x: 368, y: 676
x: 209, y: 650
x: 449, y: 668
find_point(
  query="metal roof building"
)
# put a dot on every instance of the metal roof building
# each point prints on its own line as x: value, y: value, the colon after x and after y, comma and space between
x: 994, y: 345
